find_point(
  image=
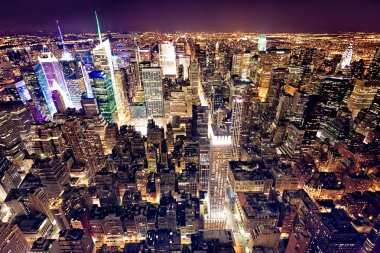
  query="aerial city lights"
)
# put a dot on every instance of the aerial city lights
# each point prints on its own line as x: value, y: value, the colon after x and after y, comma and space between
x: 213, y: 142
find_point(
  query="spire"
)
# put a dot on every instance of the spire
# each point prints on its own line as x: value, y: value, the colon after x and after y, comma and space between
x: 66, y: 53
x: 97, y: 24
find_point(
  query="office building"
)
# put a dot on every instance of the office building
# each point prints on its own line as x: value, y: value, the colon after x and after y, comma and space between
x: 152, y: 83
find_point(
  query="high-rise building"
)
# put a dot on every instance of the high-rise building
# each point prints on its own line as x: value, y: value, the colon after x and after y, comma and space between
x: 298, y: 106
x: 152, y: 82
x: 75, y: 81
x: 183, y: 63
x: 9, y: 177
x: 35, y: 90
x: 332, y: 232
x: 373, y: 72
x: 262, y: 43
x: 372, y: 242
x: 195, y: 81
x: 75, y: 241
x: 346, y: 57
x: 53, y: 173
x: 204, y: 163
x: 236, y: 126
x: 220, y: 154
x: 44, y: 88
x: 121, y: 89
x: 167, y: 58
x: 362, y: 95
x: 54, y: 75
x: 11, y: 239
x: 200, y: 122
x: 104, y: 94
x: 11, y: 144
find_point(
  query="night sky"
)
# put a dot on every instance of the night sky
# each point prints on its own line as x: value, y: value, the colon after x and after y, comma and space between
x: 268, y: 16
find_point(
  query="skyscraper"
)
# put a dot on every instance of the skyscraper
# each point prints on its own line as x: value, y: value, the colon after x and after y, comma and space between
x: 236, y: 126
x: 11, y: 144
x: 12, y: 239
x: 262, y: 43
x: 44, y: 88
x: 167, y: 58
x: 54, y: 75
x: 102, y: 55
x: 152, y: 82
x: 73, y: 73
x: 220, y: 154
x: 346, y: 57
x: 104, y: 94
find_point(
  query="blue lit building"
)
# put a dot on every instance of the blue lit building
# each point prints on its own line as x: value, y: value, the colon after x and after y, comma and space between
x: 44, y: 86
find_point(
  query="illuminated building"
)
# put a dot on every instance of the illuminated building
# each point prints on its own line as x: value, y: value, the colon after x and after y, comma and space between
x: 9, y: 177
x: 298, y: 106
x: 249, y: 177
x: 373, y: 72
x: 45, y: 245
x: 34, y: 227
x: 75, y: 80
x: 11, y: 239
x: 237, y: 109
x: 200, y: 121
x: 292, y: 145
x: 20, y: 115
x: 241, y: 64
x: 184, y: 64
x: 53, y: 173
x: 23, y: 91
x: 337, y: 91
x: 372, y: 242
x: 313, y: 117
x: 362, y: 95
x: 167, y: 58
x: 46, y: 139
x: 104, y: 94
x: 54, y: 75
x: 262, y: 43
x: 75, y: 241
x: 264, y: 238
x: 11, y: 144
x: 44, y: 87
x: 121, y: 82
x: 298, y: 242
x: 332, y: 232
x: 346, y: 57
x: 220, y: 154
x: 152, y: 82
x: 35, y: 90
x: 195, y: 81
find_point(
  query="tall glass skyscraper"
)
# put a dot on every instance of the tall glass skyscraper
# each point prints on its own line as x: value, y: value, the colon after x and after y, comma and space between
x: 44, y: 87
x: 54, y: 74
x: 73, y: 73
x: 103, y: 92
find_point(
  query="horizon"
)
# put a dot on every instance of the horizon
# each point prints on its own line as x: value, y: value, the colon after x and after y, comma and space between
x: 275, y: 16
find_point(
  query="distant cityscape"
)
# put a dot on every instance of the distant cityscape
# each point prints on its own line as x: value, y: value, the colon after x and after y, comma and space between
x: 151, y: 142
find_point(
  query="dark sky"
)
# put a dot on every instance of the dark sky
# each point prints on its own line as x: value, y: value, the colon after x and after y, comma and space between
x: 268, y: 16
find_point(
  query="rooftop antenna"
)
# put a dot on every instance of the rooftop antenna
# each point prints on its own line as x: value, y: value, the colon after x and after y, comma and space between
x: 97, y: 24
x: 60, y: 34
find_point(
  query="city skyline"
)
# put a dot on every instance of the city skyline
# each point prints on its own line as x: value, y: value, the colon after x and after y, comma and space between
x: 174, y: 142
